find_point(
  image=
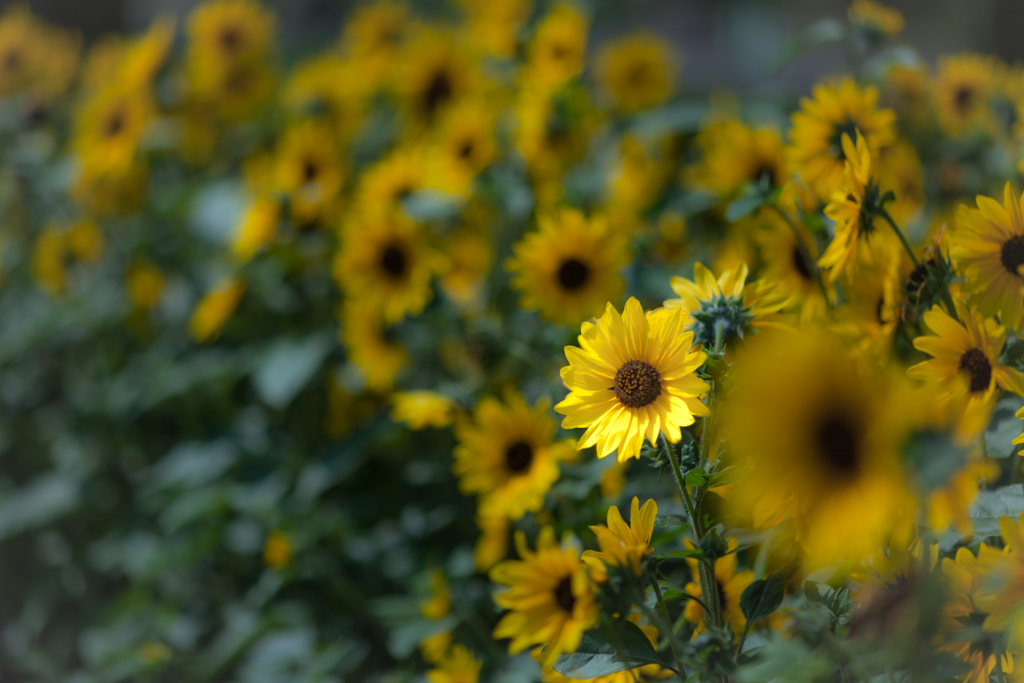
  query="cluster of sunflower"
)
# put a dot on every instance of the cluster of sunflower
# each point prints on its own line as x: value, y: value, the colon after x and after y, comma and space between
x: 309, y: 349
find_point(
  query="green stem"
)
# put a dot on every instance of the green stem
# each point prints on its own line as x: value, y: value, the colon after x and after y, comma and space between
x: 899, y: 233
x: 666, y: 622
x: 743, y: 638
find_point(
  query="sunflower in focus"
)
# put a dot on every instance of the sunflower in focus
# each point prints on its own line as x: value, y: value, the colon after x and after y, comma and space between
x: 435, y: 72
x: 108, y: 130
x: 816, y: 153
x: 508, y: 455
x: 790, y: 262
x: 559, y: 44
x: 387, y: 265
x: 965, y: 366
x: 227, y: 33
x: 569, y: 268
x: 632, y: 377
x: 824, y: 444
x: 988, y: 249
x: 728, y: 308
x: 964, y: 84
x: 371, y: 346
x: 734, y: 154
x: 550, y: 597
x: 730, y: 584
x: 309, y: 172
x: 457, y: 666
x: 637, y: 71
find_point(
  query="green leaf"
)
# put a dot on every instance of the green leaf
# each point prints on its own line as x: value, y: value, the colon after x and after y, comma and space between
x: 1013, y: 353
x: 764, y: 596
x: 599, y: 649
x: 1004, y: 428
x: 696, y: 477
x: 692, y: 552
x: 989, y: 506
x: 835, y: 600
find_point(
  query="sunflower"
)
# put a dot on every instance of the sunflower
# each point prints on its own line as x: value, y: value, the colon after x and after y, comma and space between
x: 817, y: 154
x: 640, y: 674
x: 734, y: 154
x: 470, y: 255
x: 875, y: 18
x: 213, y: 311
x: 108, y: 130
x: 390, y: 180
x: 569, y: 268
x: 730, y: 584
x: 621, y: 545
x: 330, y: 88
x: 422, y: 409
x: 729, y: 308
x: 435, y: 72
x: 20, y: 51
x: 226, y: 33
x: 142, y: 57
x: 464, y: 146
x: 232, y: 94
x: 988, y: 249
x: 637, y: 71
x: 457, y: 666
x: 374, y: 35
x: 631, y: 378
x: 552, y: 132
x: 964, y: 84
x: 370, y: 346
x: 309, y: 172
x: 897, y: 565
x: 493, y: 27
x: 550, y: 597
x: 792, y: 269
x: 637, y: 180
x: 1002, y: 593
x: 871, y: 316
x: 823, y: 442
x: 386, y: 265
x: 558, y: 47
x: 508, y: 455
x: 965, y: 363
x: 257, y: 228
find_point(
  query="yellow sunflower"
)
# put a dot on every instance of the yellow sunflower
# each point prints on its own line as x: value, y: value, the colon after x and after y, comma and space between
x: 622, y: 545
x: 872, y: 313
x: 550, y: 597
x: 988, y: 249
x: 387, y: 265
x: 631, y: 378
x: 108, y: 130
x: 792, y: 269
x: 226, y: 33
x: 422, y: 409
x: 552, y: 132
x: 875, y: 17
x: 824, y: 442
x: 816, y: 153
x: 370, y: 346
x: 733, y: 154
x: 435, y: 72
x: 20, y: 51
x: 1002, y: 593
x: 569, y: 268
x: 493, y: 27
x: 374, y: 35
x: 637, y: 71
x: 384, y: 184
x: 730, y: 584
x: 457, y: 666
x: 331, y: 88
x: 231, y: 93
x: 508, y: 455
x: 142, y: 57
x: 728, y: 308
x: 464, y: 146
x: 964, y: 84
x: 215, y: 309
x: 559, y: 43
x: 965, y: 363
x: 470, y: 255
x: 309, y: 172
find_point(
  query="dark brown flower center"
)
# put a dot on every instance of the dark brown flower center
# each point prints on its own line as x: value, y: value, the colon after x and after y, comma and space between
x: 466, y: 149
x: 975, y: 364
x: 230, y: 38
x: 963, y: 98
x: 437, y: 93
x: 310, y: 171
x: 573, y: 274
x: 114, y: 125
x: 519, y: 457
x: 838, y: 443
x: 393, y: 261
x: 1012, y: 254
x: 800, y: 264
x: 12, y: 60
x: 764, y: 173
x: 637, y: 384
x: 564, y: 596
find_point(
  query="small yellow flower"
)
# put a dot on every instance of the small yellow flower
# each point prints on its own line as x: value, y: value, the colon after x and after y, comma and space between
x: 309, y: 172
x: 964, y: 85
x: 876, y: 17
x: 422, y: 409
x: 85, y: 241
x: 365, y: 335
x: 225, y: 33
x: 277, y: 550
x: 458, y: 666
x: 557, y: 50
x: 213, y: 312
x: 622, y: 545
x: 637, y: 71
x: 145, y: 285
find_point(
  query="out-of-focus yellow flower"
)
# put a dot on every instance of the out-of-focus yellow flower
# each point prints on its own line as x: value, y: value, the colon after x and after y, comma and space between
x: 369, y: 346
x: 470, y: 255
x: 85, y: 241
x: 875, y: 17
x: 790, y: 261
x: 558, y: 47
x: 898, y: 168
x: 492, y: 545
x: 672, y: 243
x: 390, y: 180
x: 637, y: 71
x: 49, y: 261
x: 735, y: 154
x: 731, y: 584
x: 35, y: 56
x: 257, y: 228
x: 330, y: 88
x: 232, y: 93
x: 153, y: 652
x: 963, y: 85
x: 458, y: 666
x: 213, y: 312
x: 422, y: 409
x: 622, y: 545
x: 278, y: 550
x: 1002, y: 593
x: 226, y: 33
x: 440, y: 603
x: 871, y: 316
x: 309, y: 172
x: 552, y: 132
x: 108, y: 129
x: 465, y: 145
x: 145, y: 285
x: 435, y: 72
x: 493, y: 27
x: 374, y: 36
x: 949, y: 504
x: 141, y: 58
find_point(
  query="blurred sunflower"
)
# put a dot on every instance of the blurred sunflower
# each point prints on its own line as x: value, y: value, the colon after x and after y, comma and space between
x: 492, y: 545
x: 569, y: 268
x: 875, y: 18
x: 374, y: 34
x: 558, y: 47
x: 963, y: 85
x: 232, y: 93
x: 824, y: 443
x: 49, y: 260
x: 730, y: 584
x: 871, y: 316
x: 493, y: 27
x: 508, y: 456
x: 370, y: 345
x: 734, y: 154
x: 387, y: 264
x: 465, y: 144
x: 816, y: 153
x: 470, y: 254
x: 257, y: 228
x: 1002, y: 592
x: 550, y: 597
x: 898, y: 168
x: 226, y: 33
x: 20, y: 50
x: 141, y: 58
x: 309, y: 172
x: 422, y: 409
x: 457, y: 666
x: 988, y: 249
x: 390, y: 180
x: 552, y: 132
x: 792, y: 269
x: 631, y: 378
x: 108, y: 129
x: 965, y: 363
x: 145, y: 284
x: 434, y: 72
x: 330, y: 88
x: 215, y: 309
x: 637, y: 71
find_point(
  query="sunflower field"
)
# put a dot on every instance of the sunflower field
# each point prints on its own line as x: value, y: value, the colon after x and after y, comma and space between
x: 463, y: 349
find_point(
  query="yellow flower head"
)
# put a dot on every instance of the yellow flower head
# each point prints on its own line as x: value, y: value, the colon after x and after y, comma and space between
x: 213, y: 312
x: 637, y: 71
x: 49, y: 260
x: 457, y: 666
x: 145, y: 285
x: 817, y: 154
x: 390, y: 180
x: 493, y: 27
x: 550, y: 597
x: 375, y: 33
x: 470, y: 256
x: 434, y: 73
x: 871, y: 316
x: 621, y: 545
x: 824, y: 443
x: 988, y: 249
x: 558, y: 47
x: 257, y: 228
x: 108, y: 129
x: 964, y: 84
x: 277, y: 551
x: 226, y: 33
x: 632, y: 377
x: 422, y: 409
x: 20, y: 52
x: 734, y: 154
x: 965, y: 364
x: 142, y: 57
x: 365, y: 335
x: 309, y: 172
x: 787, y: 264
x: 464, y: 146
x: 508, y: 455
x: 875, y: 17
x: 730, y: 583
x: 569, y: 269
x: 331, y: 87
